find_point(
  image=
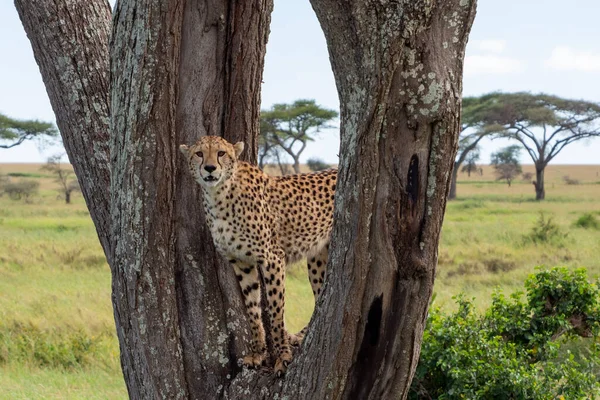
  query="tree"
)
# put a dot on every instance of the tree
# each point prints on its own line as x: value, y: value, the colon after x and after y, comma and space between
x: 63, y: 176
x: 268, y: 149
x: 471, y: 162
x: 292, y: 126
x: 473, y: 129
x: 542, y: 124
x: 13, y: 132
x: 178, y: 71
x: 506, y: 163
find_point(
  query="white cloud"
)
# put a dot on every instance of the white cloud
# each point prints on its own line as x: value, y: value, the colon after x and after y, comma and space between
x: 492, y: 64
x: 564, y: 58
x: 495, y: 46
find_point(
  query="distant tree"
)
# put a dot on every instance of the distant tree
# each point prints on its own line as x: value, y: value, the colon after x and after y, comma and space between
x: 63, y: 176
x: 471, y: 162
x: 13, y: 132
x: 316, y: 164
x: 269, y: 151
x: 474, y: 128
x: 506, y: 163
x: 292, y: 126
x: 266, y: 145
x: 542, y: 124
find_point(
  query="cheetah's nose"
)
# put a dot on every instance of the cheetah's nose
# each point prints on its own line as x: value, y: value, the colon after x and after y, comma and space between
x: 209, y: 168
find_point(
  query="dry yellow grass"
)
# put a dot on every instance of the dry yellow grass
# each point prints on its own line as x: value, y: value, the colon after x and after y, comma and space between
x: 554, y: 173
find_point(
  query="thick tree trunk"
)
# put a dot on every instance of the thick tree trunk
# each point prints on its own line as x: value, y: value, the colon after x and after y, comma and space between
x: 540, y: 191
x: 398, y: 69
x: 222, y: 59
x: 200, y: 74
x: 183, y: 69
x: 70, y: 45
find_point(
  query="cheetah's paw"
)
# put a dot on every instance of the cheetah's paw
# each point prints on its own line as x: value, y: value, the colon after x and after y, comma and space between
x: 254, y: 360
x: 295, y: 340
x: 284, y: 359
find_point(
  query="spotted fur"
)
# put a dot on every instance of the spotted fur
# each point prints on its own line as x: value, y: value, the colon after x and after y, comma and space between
x: 259, y: 222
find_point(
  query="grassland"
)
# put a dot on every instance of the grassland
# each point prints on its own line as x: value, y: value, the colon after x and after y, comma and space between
x: 57, y: 336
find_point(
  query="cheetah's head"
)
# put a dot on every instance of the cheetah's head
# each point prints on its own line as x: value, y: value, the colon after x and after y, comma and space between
x: 212, y: 159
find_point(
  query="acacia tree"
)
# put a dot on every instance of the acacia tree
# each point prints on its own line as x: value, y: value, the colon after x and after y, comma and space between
x: 63, y: 176
x: 506, y: 163
x: 180, y: 70
x: 471, y: 162
x: 291, y: 126
x: 269, y: 150
x: 13, y: 132
x: 474, y: 128
x: 542, y: 124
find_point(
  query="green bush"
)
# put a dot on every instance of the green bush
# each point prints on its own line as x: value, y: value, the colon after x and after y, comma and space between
x: 22, y: 189
x: 588, y: 221
x: 517, y: 349
x: 546, y: 231
x: 45, y: 348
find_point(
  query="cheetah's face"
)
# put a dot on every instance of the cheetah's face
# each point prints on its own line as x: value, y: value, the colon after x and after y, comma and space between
x: 212, y: 160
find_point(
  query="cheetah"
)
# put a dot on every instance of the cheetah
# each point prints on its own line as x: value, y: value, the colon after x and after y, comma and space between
x: 262, y: 223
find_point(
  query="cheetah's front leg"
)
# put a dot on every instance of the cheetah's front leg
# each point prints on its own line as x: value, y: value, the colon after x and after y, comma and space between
x: 248, y: 279
x: 274, y: 276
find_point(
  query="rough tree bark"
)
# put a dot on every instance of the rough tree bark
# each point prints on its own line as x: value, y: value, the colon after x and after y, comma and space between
x: 398, y: 70
x: 181, y: 69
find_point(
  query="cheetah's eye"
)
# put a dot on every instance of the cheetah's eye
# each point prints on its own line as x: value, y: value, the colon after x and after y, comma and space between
x: 221, y: 153
x: 199, y: 154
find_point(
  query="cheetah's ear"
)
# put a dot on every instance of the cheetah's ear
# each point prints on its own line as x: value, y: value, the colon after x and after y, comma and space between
x: 184, y: 149
x: 238, y: 147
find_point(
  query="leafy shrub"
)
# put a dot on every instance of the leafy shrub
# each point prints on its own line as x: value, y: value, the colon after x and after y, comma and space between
x: 22, y: 189
x: 496, y: 265
x: 493, y: 263
x: 527, y: 176
x: 512, y: 351
x: 546, y: 231
x: 316, y: 164
x: 56, y: 349
x: 570, y: 181
x: 588, y: 221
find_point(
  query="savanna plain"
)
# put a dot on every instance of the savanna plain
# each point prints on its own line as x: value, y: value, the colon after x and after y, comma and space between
x: 57, y: 338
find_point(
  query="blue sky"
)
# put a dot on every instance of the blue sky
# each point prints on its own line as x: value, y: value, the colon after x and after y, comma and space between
x: 532, y: 45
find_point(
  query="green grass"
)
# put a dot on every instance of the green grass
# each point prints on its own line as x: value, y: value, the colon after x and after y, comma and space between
x: 57, y: 336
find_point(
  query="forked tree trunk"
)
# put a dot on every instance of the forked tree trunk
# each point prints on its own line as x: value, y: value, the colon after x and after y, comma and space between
x: 182, y: 69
